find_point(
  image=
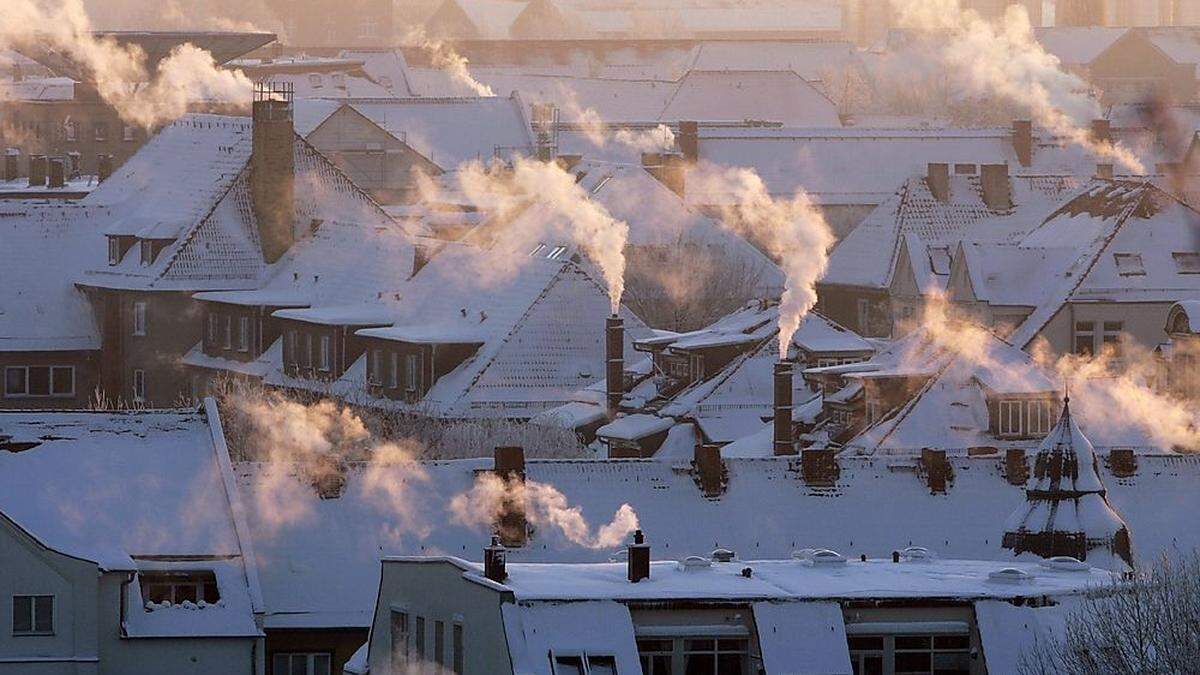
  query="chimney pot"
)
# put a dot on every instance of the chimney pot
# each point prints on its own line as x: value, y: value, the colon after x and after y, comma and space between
x: 494, y: 563
x: 11, y: 167
x: 997, y: 192
x: 1105, y: 171
x: 895, y: 556
x: 1023, y: 141
x: 614, y: 363
x: 37, y: 170
x: 937, y: 176
x: 638, y: 560
x: 710, y: 470
x: 783, y: 409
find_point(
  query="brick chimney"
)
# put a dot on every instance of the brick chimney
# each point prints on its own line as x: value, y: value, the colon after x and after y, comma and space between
x: 688, y: 140
x: 273, y: 168
x: 58, y: 173
x: 614, y: 363
x: 1016, y: 470
x: 1102, y: 131
x: 937, y: 177
x: 1105, y: 171
x: 509, y: 465
x: 1023, y: 141
x: 37, y: 170
x: 104, y: 167
x: 494, y: 561
x: 997, y: 192
x: 783, y: 409
x: 710, y: 471
x: 638, y: 560
x: 12, y: 169
x: 669, y: 168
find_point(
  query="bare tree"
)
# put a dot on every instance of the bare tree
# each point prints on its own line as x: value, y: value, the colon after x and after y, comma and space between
x: 687, y: 286
x: 1148, y: 624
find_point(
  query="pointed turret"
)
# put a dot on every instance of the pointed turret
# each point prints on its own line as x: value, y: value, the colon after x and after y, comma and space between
x: 1066, y: 512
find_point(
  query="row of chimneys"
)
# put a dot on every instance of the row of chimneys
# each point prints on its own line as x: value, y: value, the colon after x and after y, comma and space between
x: 49, y: 171
x: 637, y: 560
x: 1022, y: 139
x: 670, y: 168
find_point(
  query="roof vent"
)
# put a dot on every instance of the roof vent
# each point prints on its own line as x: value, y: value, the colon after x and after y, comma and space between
x: 1010, y: 575
x: 803, y: 554
x: 1065, y: 563
x: 824, y: 556
x: 917, y: 554
x: 723, y: 555
x: 694, y: 563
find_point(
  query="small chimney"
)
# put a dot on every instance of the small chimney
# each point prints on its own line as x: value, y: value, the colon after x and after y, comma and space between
x: 494, y: 561
x: 509, y: 465
x: 12, y: 169
x: 937, y: 469
x: 688, y: 140
x: 1023, y: 141
x: 997, y: 192
x: 783, y: 409
x: 937, y: 176
x: 1122, y: 462
x: 1102, y: 131
x: 819, y: 467
x: 1016, y: 470
x: 638, y: 558
x: 37, y: 170
x: 273, y: 168
x: 614, y: 363
x: 710, y: 471
x: 58, y: 173
x: 1105, y: 171
x: 104, y: 167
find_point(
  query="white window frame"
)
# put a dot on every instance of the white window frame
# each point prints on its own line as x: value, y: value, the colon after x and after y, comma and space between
x: 308, y: 350
x: 400, y: 647
x: 139, y: 318
x: 325, y: 354
x: 412, y: 367
x: 243, y: 334
x: 139, y: 385
x: 1078, y: 332
x: 393, y: 370
x: 34, y: 615
x: 114, y: 250
x: 1039, y: 417
x: 100, y: 131
x: 227, y: 341
x: 1010, y: 417
x: 458, y: 653
x: 127, y: 132
x: 292, y: 344
x: 309, y: 658
x: 72, y: 131
x: 50, y: 393
x: 213, y: 321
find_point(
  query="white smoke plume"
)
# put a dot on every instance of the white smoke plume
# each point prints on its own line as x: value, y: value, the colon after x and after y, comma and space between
x: 588, y: 121
x: 543, y: 505
x: 792, y: 231
x: 444, y: 58
x: 1005, y: 60
x: 658, y: 139
x: 570, y: 212
x: 120, y: 72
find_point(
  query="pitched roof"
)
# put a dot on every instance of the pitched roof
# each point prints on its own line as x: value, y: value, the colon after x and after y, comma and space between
x: 731, y: 95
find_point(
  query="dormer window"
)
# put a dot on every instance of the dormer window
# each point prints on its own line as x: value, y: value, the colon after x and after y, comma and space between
x: 1129, y: 264
x: 1024, y: 418
x: 177, y: 588
x: 114, y: 250
x: 1187, y: 262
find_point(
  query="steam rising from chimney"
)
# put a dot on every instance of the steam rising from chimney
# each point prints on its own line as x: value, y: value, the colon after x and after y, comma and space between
x: 118, y: 71
x: 571, y: 212
x: 1006, y: 60
x: 444, y: 58
x: 544, y: 506
x: 792, y: 231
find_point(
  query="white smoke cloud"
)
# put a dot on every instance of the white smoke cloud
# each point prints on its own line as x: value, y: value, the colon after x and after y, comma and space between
x: 543, y: 505
x: 119, y: 71
x: 444, y: 58
x: 1006, y: 61
x: 658, y: 139
x: 792, y: 231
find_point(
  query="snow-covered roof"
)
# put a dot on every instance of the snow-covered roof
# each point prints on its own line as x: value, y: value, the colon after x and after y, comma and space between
x: 386, y: 67
x: 44, y: 248
x: 1013, y: 275
x: 38, y: 89
x: 323, y: 566
x: 812, y: 60
x: 1078, y: 45
x: 731, y: 95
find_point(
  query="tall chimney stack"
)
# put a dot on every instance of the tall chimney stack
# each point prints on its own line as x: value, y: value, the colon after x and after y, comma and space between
x: 12, y: 169
x: 638, y: 559
x: 614, y: 363
x: 1102, y: 131
x: 783, y: 409
x: 58, y: 173
x: 509, y: 465
x: 495, y: 566
x: 37, y: 170
x: 997, y: 193
x: 1105, y: 171
x: 688, y: 140
x: 937, y: 176
x: 1023, y: 141
x: 273, y: 168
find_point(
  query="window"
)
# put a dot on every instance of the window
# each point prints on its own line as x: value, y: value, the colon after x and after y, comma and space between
x: 39, y: 381
x: 301, y: 663
x: 139, y: 318
x: 33, y: 615
x: 101, y: 130
x: 1024, y: 417
x: 114, y: 250
x: 412, y: 365
x: 179, y: 587
x: 694, y: 656
x: 394, y: 370
x: 419, y: 639
x: 399, y: 639
x: 147, y: 251
x: 439, y: 643
x: 656, y: 656
x: 456, y: 647
x: 325, y: 353
x: 72, y: 129
x: 1129, y: 264
x: 127, y: 133
x: 1085, y: 338
x: 1039, y: 418
x: 585, y: 664
x: 907, y: 654
x: 314, y: 80
x: 243, y: 334
x: 1187, y: 262
x: 308, y: 350
x: 375, y: 367
x: 864, y: 314
x: 1110, y: 339
x: 290, y: 347
x: 556, y: 252
x: 139, y: 385
x: 227, y: 340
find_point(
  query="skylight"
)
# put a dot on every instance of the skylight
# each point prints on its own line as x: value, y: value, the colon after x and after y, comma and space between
x: 1187, y: 262
x: 1129, y: 264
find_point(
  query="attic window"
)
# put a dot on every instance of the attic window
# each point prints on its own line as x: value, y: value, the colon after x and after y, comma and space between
x: 177, y: 588
x: 556, y: 252
x: 1187, y: 262
x: 1129, y: 264
x: 315, y: 80
x: 939, y: 260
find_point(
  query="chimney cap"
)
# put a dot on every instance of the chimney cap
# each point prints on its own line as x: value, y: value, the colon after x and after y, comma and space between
x: 639, y: 537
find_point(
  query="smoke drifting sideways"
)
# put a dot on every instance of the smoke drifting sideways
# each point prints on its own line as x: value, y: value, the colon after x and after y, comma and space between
x: 657, y: 139
x: 444, y: 58
x: 569, y: 212
x: 543, y: 505
x: 119, y: 71
x: 1005, y: 60
x: 793, y: 231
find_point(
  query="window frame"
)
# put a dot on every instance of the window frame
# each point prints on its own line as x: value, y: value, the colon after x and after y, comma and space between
x: 310, y: 659
x: 212, y: 328
x: 71, y: 128
x: 1083, y: 330
x: 139, y: 318
x: 244, y: 334
x: 34, y: 614
x: 458, y: 652
x: 400, y: 648
x: 51, y: 371
x: 227, y: 338
x: 139, y: 385
x: 325, y: 353
x: 128, y: 133
x: 114, y: 250
x: 100, y: 131
x: 198, y: 581
x: 412, y: 372
x: 393, y: 370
